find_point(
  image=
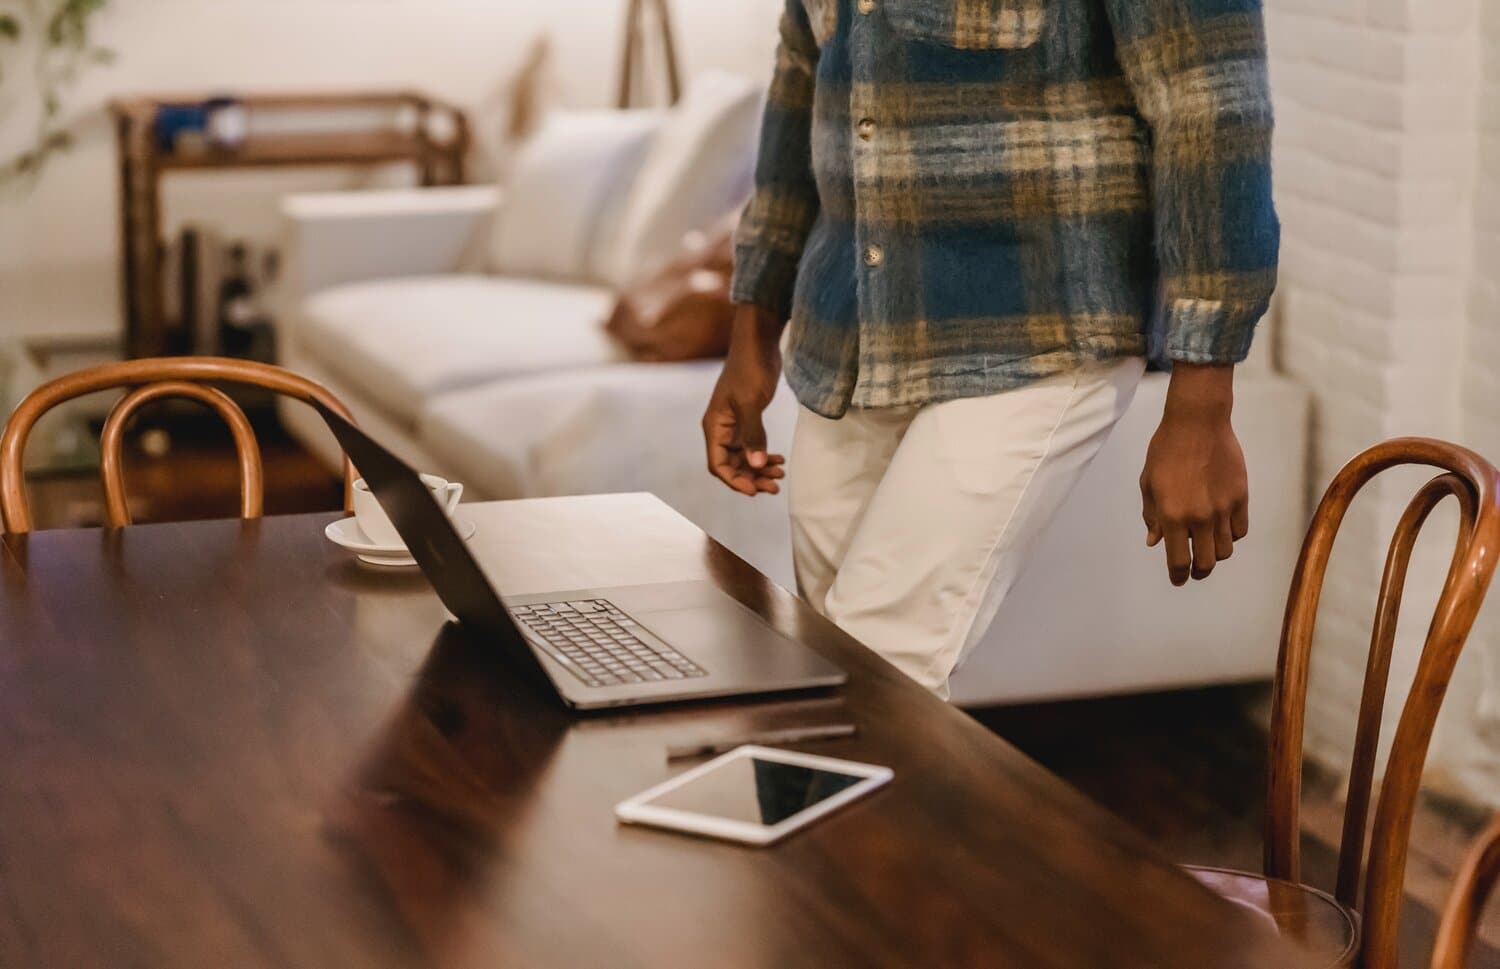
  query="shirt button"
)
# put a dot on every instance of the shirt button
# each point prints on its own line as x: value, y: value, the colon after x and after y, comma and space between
x: 874, y: 256
x: 866, y: 6
x: 866, y: 129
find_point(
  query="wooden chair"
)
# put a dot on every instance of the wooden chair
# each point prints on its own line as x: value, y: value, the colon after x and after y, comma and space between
x: 1358, y: 926
x: 150, y: 380
x: 1476, y: 880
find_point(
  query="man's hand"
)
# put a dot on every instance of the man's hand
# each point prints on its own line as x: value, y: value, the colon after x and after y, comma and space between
x: 732, y: 428
x: 1194, y: 489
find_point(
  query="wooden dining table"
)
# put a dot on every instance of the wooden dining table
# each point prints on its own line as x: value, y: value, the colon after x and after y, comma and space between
x: 229, y: 744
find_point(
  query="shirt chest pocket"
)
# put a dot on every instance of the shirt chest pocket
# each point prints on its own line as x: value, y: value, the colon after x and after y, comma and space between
x: 823, y: 15
x: 969, y: 24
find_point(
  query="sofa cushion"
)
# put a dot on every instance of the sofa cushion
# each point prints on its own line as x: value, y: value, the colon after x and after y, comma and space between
x: 630, y: 427
x: 402, y: 341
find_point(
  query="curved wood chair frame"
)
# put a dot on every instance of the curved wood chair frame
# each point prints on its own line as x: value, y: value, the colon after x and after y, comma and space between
x: 154, y: 379
x: 1475, y: 484
x: 1475, y: 883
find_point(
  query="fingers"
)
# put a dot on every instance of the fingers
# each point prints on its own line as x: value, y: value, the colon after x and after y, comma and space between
x: 767, y: 479
x: 728, y: 459
x: 1151, y: 516
x: 1205, y: 548
x: 1195, y: 545
x: 1179, y: 557
x: 1223, y: 537
x: 725, y: 458
x: 752, y: 435
x: 775, y: 468
x: 1239, y: 519
x: 1195, y: 542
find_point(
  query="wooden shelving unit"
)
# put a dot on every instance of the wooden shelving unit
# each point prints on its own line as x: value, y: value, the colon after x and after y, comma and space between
x: 144, y: 162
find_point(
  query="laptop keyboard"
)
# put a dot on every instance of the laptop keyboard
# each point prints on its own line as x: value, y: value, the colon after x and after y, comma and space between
x: 596, y: 642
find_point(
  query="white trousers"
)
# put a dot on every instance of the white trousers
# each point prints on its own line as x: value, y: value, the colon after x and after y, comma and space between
x: 910, y: 525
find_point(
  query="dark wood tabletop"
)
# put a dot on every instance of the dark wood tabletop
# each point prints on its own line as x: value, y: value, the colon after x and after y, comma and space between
x: 229, y: 744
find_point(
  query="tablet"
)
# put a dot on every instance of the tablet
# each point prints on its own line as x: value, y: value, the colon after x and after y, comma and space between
x: 753, y: 795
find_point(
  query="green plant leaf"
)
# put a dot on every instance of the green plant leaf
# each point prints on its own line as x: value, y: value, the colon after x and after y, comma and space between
x: 62, y: 35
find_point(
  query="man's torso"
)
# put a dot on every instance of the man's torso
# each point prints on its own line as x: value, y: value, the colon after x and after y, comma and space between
x: 985, y: 216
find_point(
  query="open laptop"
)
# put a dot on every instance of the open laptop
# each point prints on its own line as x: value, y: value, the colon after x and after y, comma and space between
x: 620, y: 646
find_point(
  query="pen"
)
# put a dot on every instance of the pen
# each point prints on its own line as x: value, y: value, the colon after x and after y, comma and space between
x: 794, y: 735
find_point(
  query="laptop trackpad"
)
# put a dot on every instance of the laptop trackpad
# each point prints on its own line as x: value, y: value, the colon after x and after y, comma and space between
x: 710, y: 628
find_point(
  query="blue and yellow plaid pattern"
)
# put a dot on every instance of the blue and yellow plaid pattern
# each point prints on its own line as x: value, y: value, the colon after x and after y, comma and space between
x: 956, y: 197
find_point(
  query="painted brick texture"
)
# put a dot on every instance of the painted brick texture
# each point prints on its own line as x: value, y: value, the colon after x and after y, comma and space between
x: 1388, y: 180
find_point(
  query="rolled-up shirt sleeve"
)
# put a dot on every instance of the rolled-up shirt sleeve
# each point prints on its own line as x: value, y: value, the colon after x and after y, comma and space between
x: 1199, y: 74
x: 781, y: 212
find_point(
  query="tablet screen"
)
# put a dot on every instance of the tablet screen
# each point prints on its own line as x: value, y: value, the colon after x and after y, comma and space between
x: 755, y: 791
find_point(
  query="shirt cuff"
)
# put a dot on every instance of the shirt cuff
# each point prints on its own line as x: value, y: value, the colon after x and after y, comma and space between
x: 764, y: 278
x: 1210, y: 331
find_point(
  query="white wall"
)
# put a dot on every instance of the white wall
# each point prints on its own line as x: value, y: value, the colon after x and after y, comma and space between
x: 1473, y: 742
x: 1389, y: 311
x: 58, y: 239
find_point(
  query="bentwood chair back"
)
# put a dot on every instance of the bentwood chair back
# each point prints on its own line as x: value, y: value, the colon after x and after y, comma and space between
x: 1366, y: 903
x: 1476, y: 880
x: 150, y: 380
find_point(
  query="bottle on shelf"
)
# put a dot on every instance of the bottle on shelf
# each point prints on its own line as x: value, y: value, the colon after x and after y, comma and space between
x: 239, y: 308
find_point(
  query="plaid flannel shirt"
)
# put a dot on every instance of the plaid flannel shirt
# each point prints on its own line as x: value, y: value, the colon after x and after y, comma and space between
x: 956, y: 197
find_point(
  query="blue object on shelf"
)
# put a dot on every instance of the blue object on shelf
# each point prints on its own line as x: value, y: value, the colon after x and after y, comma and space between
x: 175, y: 120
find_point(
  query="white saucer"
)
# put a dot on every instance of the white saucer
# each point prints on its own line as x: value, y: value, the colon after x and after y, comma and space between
x: 346, y: 533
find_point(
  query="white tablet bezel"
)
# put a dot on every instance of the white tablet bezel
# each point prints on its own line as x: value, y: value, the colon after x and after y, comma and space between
x: 638, y: 810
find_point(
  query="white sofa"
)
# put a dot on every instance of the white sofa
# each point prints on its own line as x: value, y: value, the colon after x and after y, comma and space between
x: 511, y: 386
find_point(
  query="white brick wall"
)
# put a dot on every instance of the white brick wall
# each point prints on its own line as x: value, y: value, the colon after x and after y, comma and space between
x: 1470, y: 739
x: 1389, y: 309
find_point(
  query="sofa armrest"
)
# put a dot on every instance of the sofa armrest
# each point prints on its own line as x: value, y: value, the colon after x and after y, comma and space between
x: 333, y: 238
x: 1139, y: 632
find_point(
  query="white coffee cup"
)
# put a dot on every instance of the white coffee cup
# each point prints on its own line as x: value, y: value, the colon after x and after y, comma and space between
x: 376, y: 524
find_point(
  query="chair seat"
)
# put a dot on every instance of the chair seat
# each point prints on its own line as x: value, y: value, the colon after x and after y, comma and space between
x: 1311, y: 918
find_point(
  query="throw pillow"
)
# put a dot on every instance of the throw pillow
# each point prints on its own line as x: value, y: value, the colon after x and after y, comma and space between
x: 700, y: 167
x: 566, y: 189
